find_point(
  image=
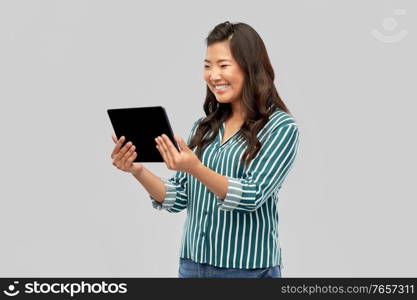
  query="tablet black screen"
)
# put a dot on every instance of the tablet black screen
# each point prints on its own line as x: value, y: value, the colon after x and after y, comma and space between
x: 141, y: 125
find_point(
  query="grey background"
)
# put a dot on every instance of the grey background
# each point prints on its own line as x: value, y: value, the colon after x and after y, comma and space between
x: 346, y: 209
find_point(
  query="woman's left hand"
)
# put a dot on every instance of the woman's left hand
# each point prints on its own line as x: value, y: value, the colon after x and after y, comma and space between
x: 184, y: 161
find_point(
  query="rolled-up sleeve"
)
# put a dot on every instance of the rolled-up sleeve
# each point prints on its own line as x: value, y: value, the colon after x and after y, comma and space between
x: 175, y: 193
x: 176, y: 187
x: 265, y: 173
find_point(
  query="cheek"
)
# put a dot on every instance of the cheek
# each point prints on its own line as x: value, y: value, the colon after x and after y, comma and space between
x: 239, y: 81
x: 238, y: 86
x: 206, y: 77
x: 235, y: 77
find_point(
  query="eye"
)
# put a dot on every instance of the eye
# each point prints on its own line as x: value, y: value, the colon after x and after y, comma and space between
x: 206, y: 66
x: 223, y: 66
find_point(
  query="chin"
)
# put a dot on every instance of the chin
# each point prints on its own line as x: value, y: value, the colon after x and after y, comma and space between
x: 223, y: 99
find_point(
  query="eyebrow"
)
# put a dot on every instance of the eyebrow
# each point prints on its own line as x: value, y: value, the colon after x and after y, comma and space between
x: 220, y: 60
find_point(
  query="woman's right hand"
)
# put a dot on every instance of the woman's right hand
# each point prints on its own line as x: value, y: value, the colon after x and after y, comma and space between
x: 123, y: 158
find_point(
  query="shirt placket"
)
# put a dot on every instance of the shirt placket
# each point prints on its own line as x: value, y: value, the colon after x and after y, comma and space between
x: 218, y: 148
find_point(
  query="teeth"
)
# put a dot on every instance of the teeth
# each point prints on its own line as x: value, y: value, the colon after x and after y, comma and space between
x: 219, y: 87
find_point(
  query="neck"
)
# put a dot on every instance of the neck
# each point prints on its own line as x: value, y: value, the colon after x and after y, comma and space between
x: 237, y: 112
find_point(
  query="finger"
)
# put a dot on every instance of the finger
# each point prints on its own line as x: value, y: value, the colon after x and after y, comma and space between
x: 172, y: 151
x: 126, y: 156
x: 117, y: 147
x: 122, y: 160
x: 170, y: 146
x: 132, y: 158
x: 159, y: 147
x: 177, y: 139
x: 183, y: 146
x: 114, y: 138
x: 123, y: 151
x: 164, y: 150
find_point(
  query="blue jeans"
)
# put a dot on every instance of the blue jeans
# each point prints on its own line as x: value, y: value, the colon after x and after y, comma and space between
x: 191, y: 269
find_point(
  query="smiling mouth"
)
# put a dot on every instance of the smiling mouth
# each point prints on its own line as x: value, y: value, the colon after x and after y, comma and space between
x: 222, y: 87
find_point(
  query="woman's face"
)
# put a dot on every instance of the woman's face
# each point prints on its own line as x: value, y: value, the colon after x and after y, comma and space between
x: 222, y: 73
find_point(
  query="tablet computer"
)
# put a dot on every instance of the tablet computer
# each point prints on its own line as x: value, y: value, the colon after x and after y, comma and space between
x: 141, y: 125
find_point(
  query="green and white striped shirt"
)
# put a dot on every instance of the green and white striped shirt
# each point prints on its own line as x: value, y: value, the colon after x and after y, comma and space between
x: 240, y: 231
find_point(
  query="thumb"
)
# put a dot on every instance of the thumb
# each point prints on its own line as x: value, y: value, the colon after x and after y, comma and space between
x: 181, y: 143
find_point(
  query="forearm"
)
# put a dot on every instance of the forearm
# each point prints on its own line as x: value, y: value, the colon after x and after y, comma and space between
x: 215, y: 182
x: 152, y: 183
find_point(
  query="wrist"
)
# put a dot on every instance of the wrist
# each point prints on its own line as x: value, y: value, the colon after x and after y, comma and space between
x: 194, y: 172
x: 137, y: 171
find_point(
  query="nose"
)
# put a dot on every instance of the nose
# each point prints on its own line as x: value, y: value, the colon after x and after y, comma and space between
x: 214, y: 76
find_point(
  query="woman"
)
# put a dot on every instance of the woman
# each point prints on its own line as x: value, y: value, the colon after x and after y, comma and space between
x: 231, y: 168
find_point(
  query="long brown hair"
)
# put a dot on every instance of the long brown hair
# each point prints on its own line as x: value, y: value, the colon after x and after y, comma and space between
x: 259, y: 96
